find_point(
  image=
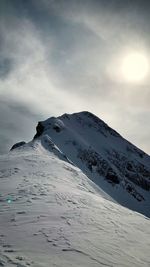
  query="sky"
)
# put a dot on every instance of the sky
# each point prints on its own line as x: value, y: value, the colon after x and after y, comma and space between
x: 65, y: 56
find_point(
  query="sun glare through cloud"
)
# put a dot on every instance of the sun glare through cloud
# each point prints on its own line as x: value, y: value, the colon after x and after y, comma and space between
x: 135, y: 67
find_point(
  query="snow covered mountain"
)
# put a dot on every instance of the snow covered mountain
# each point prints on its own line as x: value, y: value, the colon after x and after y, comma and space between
x: 114, y: 164
x: 58, y: 192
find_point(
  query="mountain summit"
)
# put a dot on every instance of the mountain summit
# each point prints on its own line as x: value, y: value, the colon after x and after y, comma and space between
x: 115, y: 165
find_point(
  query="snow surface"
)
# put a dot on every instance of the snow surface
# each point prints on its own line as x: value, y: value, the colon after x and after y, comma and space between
x: 83, y: 136
x: 51, y: 214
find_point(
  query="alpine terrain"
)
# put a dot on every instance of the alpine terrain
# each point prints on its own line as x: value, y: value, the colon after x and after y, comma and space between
x: 78, y: 194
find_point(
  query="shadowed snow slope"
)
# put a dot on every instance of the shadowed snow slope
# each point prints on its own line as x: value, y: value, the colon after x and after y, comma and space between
x: 51, y: 214
x: 115, y: 165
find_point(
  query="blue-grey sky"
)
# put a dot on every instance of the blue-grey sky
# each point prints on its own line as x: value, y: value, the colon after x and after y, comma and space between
x: 60, y: 56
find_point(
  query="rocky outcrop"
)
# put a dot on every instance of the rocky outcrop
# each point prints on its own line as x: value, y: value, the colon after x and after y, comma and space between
x: 107, y: 169
x: 39, y: 130
x: 19, y: 144
x: 130, y: 169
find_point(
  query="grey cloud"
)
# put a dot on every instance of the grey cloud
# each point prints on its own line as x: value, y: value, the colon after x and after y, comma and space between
x: 53, y: 59
x: 6, y: 66
x: 17, y: 122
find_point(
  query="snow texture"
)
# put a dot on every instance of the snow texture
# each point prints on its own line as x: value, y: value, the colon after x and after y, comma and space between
x: 52, y: 214
x: 115, y: 165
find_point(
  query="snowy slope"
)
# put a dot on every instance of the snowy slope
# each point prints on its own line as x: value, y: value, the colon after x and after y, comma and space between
x: 51, y: 214
x: 114, y: 164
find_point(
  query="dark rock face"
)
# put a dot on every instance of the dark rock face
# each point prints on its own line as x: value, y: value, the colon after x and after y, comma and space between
x: 130, y: 169
x: 112, y: 176
x: 57, y: 128
x: 117, y: 170
x: 93, y: 160
x: 19, y: 144
x: 39, y: 130
x: 131, y: 190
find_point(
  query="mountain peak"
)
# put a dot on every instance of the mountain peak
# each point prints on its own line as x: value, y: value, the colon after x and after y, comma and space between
x: 84, y: 118
x: 114, y: 164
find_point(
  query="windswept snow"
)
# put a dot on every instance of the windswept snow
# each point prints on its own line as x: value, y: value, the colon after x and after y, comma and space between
x: 51, y: 214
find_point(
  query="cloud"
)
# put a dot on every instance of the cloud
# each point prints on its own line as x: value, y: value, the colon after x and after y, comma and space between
x: 54, y: 58
x: 17, y: 122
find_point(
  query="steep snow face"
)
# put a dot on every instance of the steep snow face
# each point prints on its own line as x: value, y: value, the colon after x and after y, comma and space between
x: 115, y: 165
x: 51, y: 214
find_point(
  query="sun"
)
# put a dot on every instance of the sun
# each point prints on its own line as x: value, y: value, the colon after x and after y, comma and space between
x: 134, y: 67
